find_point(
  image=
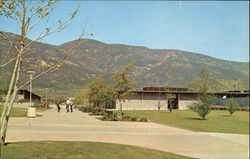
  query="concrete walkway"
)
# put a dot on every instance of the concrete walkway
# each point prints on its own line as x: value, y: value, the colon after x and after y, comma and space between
x: 78, y: 126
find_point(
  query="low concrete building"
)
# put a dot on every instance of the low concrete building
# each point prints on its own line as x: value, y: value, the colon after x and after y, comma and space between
x: 157, y: 98
x: 144, y: 101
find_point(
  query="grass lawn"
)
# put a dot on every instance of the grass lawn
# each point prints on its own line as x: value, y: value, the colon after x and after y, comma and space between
x: 217, y: 121
x: 81, y: 150
x: 16, y: 112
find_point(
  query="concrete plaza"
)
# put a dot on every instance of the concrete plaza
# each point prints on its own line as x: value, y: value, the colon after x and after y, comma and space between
x: 78, y: 126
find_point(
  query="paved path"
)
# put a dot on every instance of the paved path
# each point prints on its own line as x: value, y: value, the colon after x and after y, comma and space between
x: 78, y: 126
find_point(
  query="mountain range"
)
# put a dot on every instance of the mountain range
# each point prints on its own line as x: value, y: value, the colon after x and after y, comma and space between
x: 92, y: 59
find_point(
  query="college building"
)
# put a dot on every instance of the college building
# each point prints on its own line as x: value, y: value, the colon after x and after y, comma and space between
x: 157, y: 98
x: 24, y: 95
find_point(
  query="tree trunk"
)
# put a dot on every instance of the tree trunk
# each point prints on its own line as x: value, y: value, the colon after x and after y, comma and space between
x: 10, y: 89
x: 14, y: 79
x: 9, y: 104
x: 4, y: 119
x: 203, y: 117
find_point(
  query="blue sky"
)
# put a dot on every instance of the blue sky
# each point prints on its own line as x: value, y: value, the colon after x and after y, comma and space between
x: 217, y: 29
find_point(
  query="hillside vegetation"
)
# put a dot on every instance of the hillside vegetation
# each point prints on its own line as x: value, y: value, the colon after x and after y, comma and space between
x: 92, y: 59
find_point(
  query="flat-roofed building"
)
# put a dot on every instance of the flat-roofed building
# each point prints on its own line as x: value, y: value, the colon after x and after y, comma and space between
x: 155, y: 98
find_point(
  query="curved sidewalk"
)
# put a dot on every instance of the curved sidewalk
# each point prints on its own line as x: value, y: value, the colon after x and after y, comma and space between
x: 78, y: 126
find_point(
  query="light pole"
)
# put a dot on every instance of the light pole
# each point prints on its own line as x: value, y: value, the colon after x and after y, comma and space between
x: 31, y: 110
x: 46, y: 97
x: 31, y: 76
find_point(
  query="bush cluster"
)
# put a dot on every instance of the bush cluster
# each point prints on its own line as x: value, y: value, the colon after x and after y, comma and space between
x: 85, y: 109
x: 111, y: 115
x: 221, y: 107
x: 92, y: 110
x: 121, y: 116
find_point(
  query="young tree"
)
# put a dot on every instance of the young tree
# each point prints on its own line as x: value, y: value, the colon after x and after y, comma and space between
x: 124, y: 85
x: 27, y: 15
x: 205, y: 94
x: 232, y: 105
x: 99, y: 93
x: 81, y: 97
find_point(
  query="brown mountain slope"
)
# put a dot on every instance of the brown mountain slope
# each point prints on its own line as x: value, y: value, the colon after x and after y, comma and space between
x: 93, y: 58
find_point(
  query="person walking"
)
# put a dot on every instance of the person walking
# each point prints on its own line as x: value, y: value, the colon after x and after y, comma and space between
x: 71, y: 105
x: 58, y: 102
x: 67, y: 104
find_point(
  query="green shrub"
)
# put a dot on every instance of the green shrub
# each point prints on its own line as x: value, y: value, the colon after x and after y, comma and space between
x: 143, y: 119
x: 110, y: 115
x: 92, y: 110
x: 232, y: 105
x: 86, y: 109
x: 114, y: 117
x: 126, y: 118
x: 203, y: 106
x: 243, y: 108
x: 97, y: 111
x: 121, y: 116
x: 237, y: 108
x: 133, y: 118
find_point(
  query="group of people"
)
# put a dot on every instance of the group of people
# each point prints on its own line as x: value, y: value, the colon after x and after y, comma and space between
x: 69, y: 105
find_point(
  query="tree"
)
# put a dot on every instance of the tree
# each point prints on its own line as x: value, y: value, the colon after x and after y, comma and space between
x: 124, y: 85
x: 98, y: 93
x: 108, y: 94
x: 205, y: 94
x: 27, y: 15
x: 81, y: 97
x: 232, y: 105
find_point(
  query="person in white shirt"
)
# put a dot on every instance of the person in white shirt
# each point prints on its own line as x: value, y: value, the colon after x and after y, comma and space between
x: 67, y: 104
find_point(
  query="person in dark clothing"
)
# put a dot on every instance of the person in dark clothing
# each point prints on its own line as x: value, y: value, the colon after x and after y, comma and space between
x: 58, y: 102
x: 71, y: 105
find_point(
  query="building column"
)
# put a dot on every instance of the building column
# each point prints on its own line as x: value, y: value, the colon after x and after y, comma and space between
x: 142, y: 101
x: 178, y: 99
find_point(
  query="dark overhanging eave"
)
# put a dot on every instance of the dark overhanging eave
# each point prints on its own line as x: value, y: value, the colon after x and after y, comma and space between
x: 192, y: 92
